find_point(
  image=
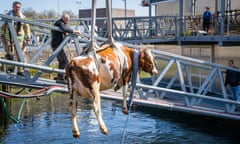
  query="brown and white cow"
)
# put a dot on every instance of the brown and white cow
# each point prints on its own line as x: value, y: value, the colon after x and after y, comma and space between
x: 88, y: 75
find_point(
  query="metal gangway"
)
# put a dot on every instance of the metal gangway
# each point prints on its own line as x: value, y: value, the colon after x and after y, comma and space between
x: 183, y: 84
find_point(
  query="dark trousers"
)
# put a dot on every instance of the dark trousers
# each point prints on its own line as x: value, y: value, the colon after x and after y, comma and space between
x: 206, y: 24
x: 62, y: 61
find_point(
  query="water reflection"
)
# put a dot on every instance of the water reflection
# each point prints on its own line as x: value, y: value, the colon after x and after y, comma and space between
x: 48, y: 121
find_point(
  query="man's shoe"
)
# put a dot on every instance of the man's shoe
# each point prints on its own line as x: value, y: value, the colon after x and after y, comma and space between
x: 10, y: 70
x: 9, y: 57
x: 237, y: 109
x: 55, y: 78
x: 20, y: 74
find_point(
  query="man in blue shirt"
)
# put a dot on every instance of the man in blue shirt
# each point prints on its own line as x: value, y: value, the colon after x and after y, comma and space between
x: 207, y: 16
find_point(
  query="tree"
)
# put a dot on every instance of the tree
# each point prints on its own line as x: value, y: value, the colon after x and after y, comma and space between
x: 42, y: 15
x: 70, y: 13
x: 30, y: 13
x: 46, y: 14
x: 51, y: 14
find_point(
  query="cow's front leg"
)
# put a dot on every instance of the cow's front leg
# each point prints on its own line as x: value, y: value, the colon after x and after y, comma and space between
x: 97, y: 110
x: 124, y: 103
x: 73, y: 110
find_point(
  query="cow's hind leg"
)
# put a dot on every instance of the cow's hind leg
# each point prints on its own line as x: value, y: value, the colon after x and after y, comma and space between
x: 97, y: 110
x: 124, y: 103
x: 73, y: 110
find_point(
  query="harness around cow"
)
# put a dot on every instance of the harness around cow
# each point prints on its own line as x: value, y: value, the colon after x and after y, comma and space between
x: 123, y: 63
x: 118, y: 52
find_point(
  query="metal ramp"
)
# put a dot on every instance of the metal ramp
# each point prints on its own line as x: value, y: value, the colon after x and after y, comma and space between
x: 187, y: 85
x: 190, y: 85
x: 183, y: 84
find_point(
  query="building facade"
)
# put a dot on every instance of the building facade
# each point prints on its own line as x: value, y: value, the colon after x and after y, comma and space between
x: 101, y: 13
x: 171, y: 8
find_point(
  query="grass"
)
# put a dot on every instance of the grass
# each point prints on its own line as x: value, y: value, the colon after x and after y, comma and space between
x: 44, y: 75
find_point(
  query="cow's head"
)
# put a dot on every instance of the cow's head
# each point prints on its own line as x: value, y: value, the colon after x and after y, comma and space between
x: 147, y: 62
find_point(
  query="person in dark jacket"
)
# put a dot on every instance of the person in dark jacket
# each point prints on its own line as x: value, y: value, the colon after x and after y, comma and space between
x: 207, y: 16
x: 232, y: 79
x: 57, y: 38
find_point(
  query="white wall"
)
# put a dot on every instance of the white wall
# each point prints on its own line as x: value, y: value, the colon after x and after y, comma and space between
x: 172, y: 8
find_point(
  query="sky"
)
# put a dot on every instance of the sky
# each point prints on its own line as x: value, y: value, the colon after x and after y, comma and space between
x: 73, y: 5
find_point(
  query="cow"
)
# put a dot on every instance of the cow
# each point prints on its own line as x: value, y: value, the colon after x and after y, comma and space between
x: 111, y: 67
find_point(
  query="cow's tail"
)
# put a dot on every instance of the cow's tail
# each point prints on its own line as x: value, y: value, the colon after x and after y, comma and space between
x: 69, y: 77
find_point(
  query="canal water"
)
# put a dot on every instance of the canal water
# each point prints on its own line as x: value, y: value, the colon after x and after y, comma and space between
x: 48, y: 121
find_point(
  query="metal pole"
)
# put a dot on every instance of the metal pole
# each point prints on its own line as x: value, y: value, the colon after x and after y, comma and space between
x: 222, y: 16
x: 125, y: 8
x: 193, y: 8
x: 78, y: 6
x: 109, y: 20
x: 58, y: 8
x: 156, y: 10
x: 228, y: 15
x: 93, y: 40
x: 180, y: 21
x: 150, y: 18
x: 111, y: 6
x: 149, y: 9
x: 216, y: 16
x: 125, y: 11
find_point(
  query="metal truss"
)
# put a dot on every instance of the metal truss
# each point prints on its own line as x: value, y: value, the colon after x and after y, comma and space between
x: 193, y: 83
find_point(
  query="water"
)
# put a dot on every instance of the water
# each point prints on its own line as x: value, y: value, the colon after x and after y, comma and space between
x: 48, y: 121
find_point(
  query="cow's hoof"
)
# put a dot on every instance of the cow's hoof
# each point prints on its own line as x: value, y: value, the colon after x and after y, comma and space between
x: 104, y: 131
x: 76, y: 134
x: 125, y: 111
